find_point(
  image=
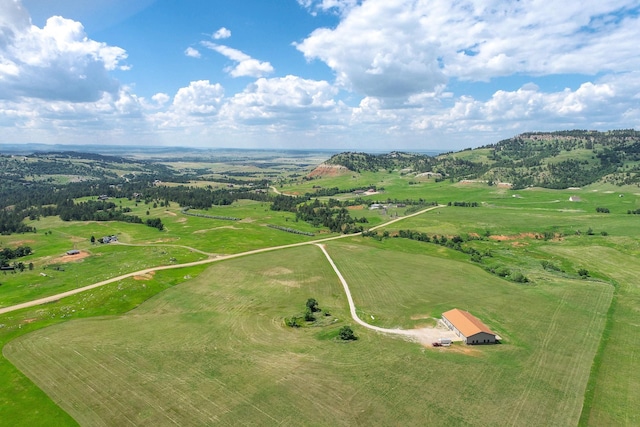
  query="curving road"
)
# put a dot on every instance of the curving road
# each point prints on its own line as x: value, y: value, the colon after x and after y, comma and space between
x: 424, y: 335
x: 56, y: 297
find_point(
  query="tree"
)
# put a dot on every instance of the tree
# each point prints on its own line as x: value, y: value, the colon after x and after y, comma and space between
x: 346, y: 334
x: 308, y: 316
x: 93, y: 239
x: 312, y: 305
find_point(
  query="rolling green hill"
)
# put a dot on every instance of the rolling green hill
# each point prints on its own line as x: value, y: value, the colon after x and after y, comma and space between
x: 542, y: 159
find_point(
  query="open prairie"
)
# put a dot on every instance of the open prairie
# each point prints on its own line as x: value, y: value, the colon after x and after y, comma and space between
x: 205, y: 345
x: 216, y: 348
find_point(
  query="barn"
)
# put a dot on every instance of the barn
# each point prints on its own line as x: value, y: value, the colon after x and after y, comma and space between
x: 468, y: 327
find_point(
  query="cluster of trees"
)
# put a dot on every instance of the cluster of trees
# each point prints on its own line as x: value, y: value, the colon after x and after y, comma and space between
x: 331, y: 214
x: 91, y: 210
x: 602, y: 210
x: 336, y: 220
x: 464, y: 204
x: 320, y: 192
x: 311, y: 307
x: 11, y: 222
x: 634, y: 212
x: 155, y: 223
x: 287, y: 203
x: 8, y: 254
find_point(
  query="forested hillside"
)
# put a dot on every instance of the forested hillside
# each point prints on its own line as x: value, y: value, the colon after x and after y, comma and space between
x: 546, y: 159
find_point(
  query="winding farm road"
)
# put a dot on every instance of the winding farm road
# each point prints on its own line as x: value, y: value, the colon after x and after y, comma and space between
x: 59, y: 296
x: 424, y: 335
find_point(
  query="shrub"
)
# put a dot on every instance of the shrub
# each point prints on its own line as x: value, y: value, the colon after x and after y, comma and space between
x: 346, y: 334
x: 312, y: 305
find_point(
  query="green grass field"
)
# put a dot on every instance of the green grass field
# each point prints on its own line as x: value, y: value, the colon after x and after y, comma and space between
x: 215, y: 349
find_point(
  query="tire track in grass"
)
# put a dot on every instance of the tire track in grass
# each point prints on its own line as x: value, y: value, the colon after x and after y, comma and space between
x: 538, y: 361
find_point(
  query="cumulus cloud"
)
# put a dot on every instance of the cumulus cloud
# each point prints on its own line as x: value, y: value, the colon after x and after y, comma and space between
x: 246, y: 66
x: 199, y: 98
x: 603, y: 103
x: 56, y: 62
x: 287, y: 100
x: 192, y: 53
x: 222, y: 33
x: 339, y: 6
x: 397, y: 48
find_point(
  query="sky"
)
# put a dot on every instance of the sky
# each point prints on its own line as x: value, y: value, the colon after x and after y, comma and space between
x: 413, y: 75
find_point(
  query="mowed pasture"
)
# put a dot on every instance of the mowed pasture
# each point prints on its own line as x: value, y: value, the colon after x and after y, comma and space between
x: 215, y: 349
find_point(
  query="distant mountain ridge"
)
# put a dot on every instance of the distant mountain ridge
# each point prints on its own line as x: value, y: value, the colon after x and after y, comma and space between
x: 559, y: 160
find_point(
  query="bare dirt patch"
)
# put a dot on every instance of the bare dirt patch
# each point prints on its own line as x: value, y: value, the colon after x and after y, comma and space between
x: 181, y: 220
x: 356, y: 208
x: 171, y: 213
x: 147, y: 276
x: 503, y: 238
x: 420, y: 316
x: 71, y: 258
x: 328, y: 170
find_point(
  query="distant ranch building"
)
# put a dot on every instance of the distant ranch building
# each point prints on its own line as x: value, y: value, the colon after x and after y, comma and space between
x: 468, y: 327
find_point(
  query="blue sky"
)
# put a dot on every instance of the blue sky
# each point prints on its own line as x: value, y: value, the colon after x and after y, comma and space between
x: 340, y: 74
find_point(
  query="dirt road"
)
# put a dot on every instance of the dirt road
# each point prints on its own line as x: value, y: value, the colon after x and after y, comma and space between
x: 56, y: 297
x: 423, y: 335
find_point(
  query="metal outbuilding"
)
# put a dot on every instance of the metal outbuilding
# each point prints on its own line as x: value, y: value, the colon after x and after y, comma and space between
x: 468, y: 327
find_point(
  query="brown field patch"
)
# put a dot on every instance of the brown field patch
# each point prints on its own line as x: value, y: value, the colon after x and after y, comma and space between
x: 356, y: 208
x: 277, y: 271
x: 502, y: 238
x: 22, y: 242
x: 287, y: 283
x: 147, y: 276
x: 328, y: 170
x: 420, y: 316
x: 464, y: 349
x: 71, y: 258
x: 171, y: 213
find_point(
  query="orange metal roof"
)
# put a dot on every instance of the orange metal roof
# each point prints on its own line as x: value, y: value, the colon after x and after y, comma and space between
x: 466, y: 322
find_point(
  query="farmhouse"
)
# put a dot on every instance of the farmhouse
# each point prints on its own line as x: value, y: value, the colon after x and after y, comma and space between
x: 468, y: 327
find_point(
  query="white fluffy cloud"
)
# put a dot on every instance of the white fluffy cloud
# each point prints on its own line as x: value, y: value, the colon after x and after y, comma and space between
x: 392, y: 48
x: 289, y: 100
x: 246, y: 66
x: 56, y: 62
x: 200, y: 97
x: 192, y: 53
x: 340, y: 6
x: 222, y: 33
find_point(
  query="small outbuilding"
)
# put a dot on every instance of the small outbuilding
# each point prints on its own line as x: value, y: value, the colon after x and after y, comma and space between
x: 468, y: 327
